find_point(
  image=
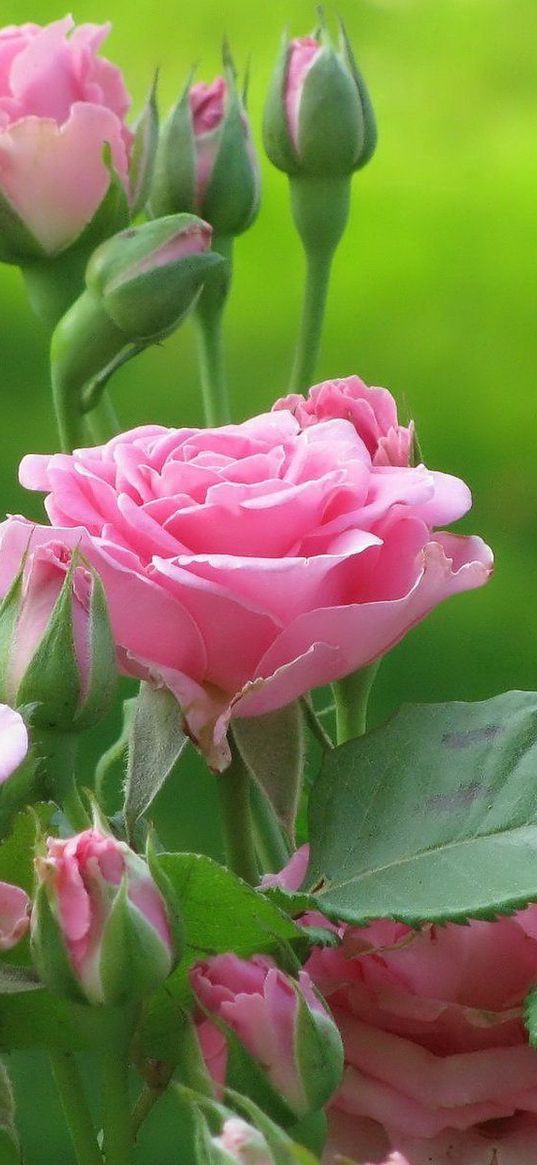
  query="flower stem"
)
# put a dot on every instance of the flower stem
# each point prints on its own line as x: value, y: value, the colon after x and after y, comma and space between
x: 75, y: 1107
x: 117, y: 1121
x: 352, y: 698
x: 209, y: 315
x: 318, y: 267
x: 271, y: 846
x: 315, y: 725
x: 235, y: 815
x: 57, y: 755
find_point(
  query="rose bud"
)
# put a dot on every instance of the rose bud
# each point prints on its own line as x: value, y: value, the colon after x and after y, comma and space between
x: 101, y: 929
x: 206, y: 162
x: 147, y: 278
x: 56, y: 648
x: 13, y: 741
x: 283, y: 1025
x: 62, y: 107
x: 319, y: 121
x: 14, y: 915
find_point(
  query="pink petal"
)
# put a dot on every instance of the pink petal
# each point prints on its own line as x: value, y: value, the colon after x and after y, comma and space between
x: 13, y: 741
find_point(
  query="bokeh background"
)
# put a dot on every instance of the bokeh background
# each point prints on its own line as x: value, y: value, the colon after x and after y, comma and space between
x: 434, y: 293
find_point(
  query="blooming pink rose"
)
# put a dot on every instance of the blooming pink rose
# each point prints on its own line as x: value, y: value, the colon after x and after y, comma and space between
x: 303, y: 52
x: 246, y: 565
x: 83, y: 876
x: 207, y: 109
x: 278, y: 1022
x: 13, y: 741
x: 14, y: 915
x: 60, y: 104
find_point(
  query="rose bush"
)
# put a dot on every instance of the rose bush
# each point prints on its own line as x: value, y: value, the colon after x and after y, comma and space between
x: 247, y: 564
x: 437, y: 1062
x: 60, y: 104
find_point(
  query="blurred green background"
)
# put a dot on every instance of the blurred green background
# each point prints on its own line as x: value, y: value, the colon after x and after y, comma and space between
x: 434, y: 291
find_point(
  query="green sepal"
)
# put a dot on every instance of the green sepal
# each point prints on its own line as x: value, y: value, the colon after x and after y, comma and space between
x: 10, y: 608
x: 52, y: 679
x: 368, y: 113
x: 318, y: 1053
x: 245, y: 1074
x: 282, y: 1144
x: 49, y: 952
x: 156, y: 742
x: 110, y: 770
x: 173, y: 189
x: 143, y: 151
x: 273, y: 748
x: 171, y: 899
x: 231, y: 201
x: 17, y: 243
x: 133, y: 961
x: 102, y: 686
x: 330, y: 124
x: 276, y: 138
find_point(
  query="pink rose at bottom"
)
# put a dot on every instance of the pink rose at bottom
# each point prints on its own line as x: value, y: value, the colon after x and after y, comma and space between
x: 437, y: 1061
x: 13, y: 741
x: 14, y: 915
x: 111, y: 919
x: 282, y: 1024
x: 312, y: 543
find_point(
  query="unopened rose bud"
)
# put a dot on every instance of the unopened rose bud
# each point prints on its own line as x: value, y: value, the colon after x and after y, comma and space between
x: 13, y: 741
x: 101, y: 929
x: 14, y: 915
x: 56, y: 648
x: 319, y: 120
x: 281, y: 1023
x: 147, y: 278
x: 206, y: 162
x: 242, y: 1144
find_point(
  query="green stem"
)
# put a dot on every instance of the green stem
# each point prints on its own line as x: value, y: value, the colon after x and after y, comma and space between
x: 117, y: 1121
x: 352, y: 699
x: 103, y: 421
x: 272, y: 850
x: 85, y: 342
x: 209, y: 315
x: 314, y: 723
x: 318, y: 268
x: 75, y: 1107
x: 57, y: 758
x: 320, y: 209
x: 235, y: 814
x: 144, y: 1105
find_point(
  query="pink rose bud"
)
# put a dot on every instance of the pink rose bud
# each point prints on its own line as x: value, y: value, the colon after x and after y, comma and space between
x: 101, y: 929
x: 206, y: 162
x: 319, y: 121
x: 57, y: 651
x: 61, y: 105
x: 13, y: 741
x: 14, y: 915
x: 282, y: 1024
x: 242, y: 1144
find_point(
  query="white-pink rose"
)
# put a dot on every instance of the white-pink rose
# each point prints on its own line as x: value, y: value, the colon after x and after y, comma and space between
x: 60, y: 105
x: 14, y: 915
x: 248, y: 564
x: 13, y: 741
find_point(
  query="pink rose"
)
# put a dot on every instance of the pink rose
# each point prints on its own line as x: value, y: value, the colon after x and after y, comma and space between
x: 280, y: 1023
x: 303, y: 52
x: 249, y: 564
x: 13, y: 741
x: 437, y: 1058
x: 14, y: 915
x: 60, y: 104
x: 83, y: 877
x: 207, y: 109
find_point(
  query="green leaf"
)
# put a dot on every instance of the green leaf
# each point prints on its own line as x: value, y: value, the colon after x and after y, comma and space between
x: 530, y: 1015
x: 156, y: 743
x: 9, y: 1145
x: 17, y: 851
x: 272, y: 746
x: 432, y: 817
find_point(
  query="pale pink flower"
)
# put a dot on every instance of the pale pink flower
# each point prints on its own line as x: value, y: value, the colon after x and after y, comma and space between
x: 13, y: 741
x: 14, y: 915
